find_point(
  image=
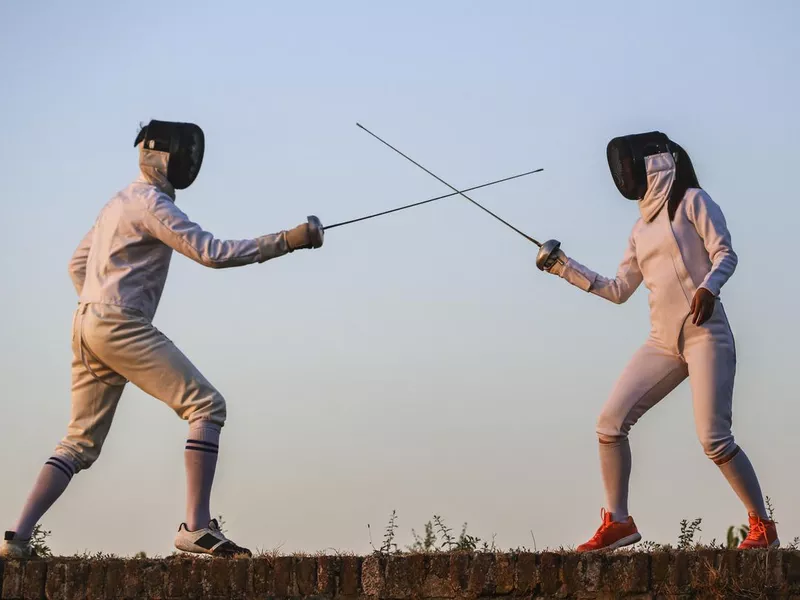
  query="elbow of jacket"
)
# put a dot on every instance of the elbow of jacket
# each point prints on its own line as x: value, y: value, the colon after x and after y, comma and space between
x: 621, y: 298
x: 218, y: 263
x: 725, y: 255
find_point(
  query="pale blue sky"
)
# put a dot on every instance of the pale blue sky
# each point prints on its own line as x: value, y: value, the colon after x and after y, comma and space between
x: 417, y: 362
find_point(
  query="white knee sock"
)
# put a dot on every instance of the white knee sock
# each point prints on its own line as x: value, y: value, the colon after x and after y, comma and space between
x: 53, y: 479
x: 201, y: 462
x: 742, y: 477
x: 615, y: 464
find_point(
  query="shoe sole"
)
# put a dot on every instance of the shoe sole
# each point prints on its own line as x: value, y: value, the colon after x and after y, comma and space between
x: 193, y: 549
x: 9, y: 552
x: 217, y: 554
x: 626, y: 541
x: 189, y: 547
x: 775, y: 544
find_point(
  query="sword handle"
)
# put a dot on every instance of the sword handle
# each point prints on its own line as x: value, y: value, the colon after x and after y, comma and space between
x: 316, y: 231
x: 544, y: 258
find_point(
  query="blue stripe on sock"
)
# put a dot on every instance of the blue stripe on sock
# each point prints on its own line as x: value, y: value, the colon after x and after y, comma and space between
x: 199, y: 449
x: 58, y: 466
x: 63, y: 463
x: 202, y: 443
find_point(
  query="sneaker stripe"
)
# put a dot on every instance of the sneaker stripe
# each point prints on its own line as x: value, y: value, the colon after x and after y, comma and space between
x: 58, y: 466
x: 230, y: 549
x: 207, y: 541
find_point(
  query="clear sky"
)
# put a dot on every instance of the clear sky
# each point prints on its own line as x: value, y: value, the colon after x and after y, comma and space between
x: 417, y: 362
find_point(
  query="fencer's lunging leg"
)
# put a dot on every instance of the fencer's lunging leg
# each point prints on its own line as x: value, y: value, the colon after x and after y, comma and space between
x: 200, y: 457
x: 133, y: 347
x: 742, y: 478
x: 651, y: 374
x: 711, y: 357
x: 94, y: 403
x: 52, y: 481
x: 130, y: 345
x: 615, y: 466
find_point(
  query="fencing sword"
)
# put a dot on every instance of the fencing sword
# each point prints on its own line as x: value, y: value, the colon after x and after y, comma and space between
x: 317, y: 229
x: 548, y: 251
x: 450, y: 195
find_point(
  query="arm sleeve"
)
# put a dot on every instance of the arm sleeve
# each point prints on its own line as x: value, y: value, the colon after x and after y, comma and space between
x: 710, y: 224
x: 616, y: 290
x: 169, y: 224
x: 77, y: 264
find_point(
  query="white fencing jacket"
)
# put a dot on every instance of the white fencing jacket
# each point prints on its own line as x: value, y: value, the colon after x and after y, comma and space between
x: 673, y: 258
x: 124, y: 258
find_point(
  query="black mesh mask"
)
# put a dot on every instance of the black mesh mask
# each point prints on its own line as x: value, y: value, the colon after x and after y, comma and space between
x: 185, y: 144
x: 626, y: 159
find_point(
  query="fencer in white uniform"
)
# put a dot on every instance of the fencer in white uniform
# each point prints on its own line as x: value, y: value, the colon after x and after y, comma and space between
x: 119, y: 270
x: 680, y: 248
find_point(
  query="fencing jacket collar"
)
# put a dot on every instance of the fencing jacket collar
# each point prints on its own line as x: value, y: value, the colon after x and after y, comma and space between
x: 153, y: 166
x: 660, y: 177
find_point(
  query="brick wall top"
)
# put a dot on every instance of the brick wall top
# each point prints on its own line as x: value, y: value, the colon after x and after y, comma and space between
x: 703, y: 573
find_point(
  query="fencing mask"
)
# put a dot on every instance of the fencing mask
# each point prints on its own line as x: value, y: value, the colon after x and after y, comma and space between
x: 184, y: 144
x: 626, y: 159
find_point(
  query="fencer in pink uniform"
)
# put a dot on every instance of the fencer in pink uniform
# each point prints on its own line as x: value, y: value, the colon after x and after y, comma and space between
x: 680, y: 248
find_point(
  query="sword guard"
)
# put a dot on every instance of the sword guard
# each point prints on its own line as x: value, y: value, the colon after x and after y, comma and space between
x: 316, y: 231
x: 546, y: 256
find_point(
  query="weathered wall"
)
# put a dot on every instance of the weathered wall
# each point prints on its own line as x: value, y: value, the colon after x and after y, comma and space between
x: 701, y: 574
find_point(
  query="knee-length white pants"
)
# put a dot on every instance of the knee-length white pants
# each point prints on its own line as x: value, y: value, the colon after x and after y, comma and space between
x: 707, y: 356
x: 112, y: 345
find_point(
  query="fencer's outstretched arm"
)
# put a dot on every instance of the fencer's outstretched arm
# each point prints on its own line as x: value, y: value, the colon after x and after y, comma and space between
x: 708, y: 220
x: 77, y: 264
x: 170, y: 224
x: 617, y: 290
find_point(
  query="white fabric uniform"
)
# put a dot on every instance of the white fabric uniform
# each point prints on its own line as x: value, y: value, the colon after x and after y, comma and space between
x: 119, y: 270
x: 124, y: 258
x: 673, y: 259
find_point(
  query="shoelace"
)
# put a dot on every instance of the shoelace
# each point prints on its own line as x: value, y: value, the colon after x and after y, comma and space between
x: 603, y: 528
x: 756, y: 531
x: 214, y: 527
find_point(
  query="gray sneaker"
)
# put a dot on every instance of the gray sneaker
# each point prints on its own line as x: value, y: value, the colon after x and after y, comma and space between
x: 209, y: 540
x: 16, y: 549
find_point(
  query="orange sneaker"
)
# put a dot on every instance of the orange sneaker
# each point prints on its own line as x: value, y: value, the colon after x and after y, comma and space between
x: 612, y: 535
x: 763, y: 534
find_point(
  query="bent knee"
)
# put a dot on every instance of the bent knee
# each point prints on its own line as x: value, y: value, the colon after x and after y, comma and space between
x: 719, y: 448
x: 611, y: 429
x: 209, y: 406
x: 72, y: 457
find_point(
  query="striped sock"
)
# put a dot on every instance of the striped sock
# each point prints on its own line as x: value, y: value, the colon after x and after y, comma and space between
x: 200, y: 458
x: 53, y: 479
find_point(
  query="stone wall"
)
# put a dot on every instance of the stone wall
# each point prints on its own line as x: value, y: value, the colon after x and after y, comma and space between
x: 699, y: 574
